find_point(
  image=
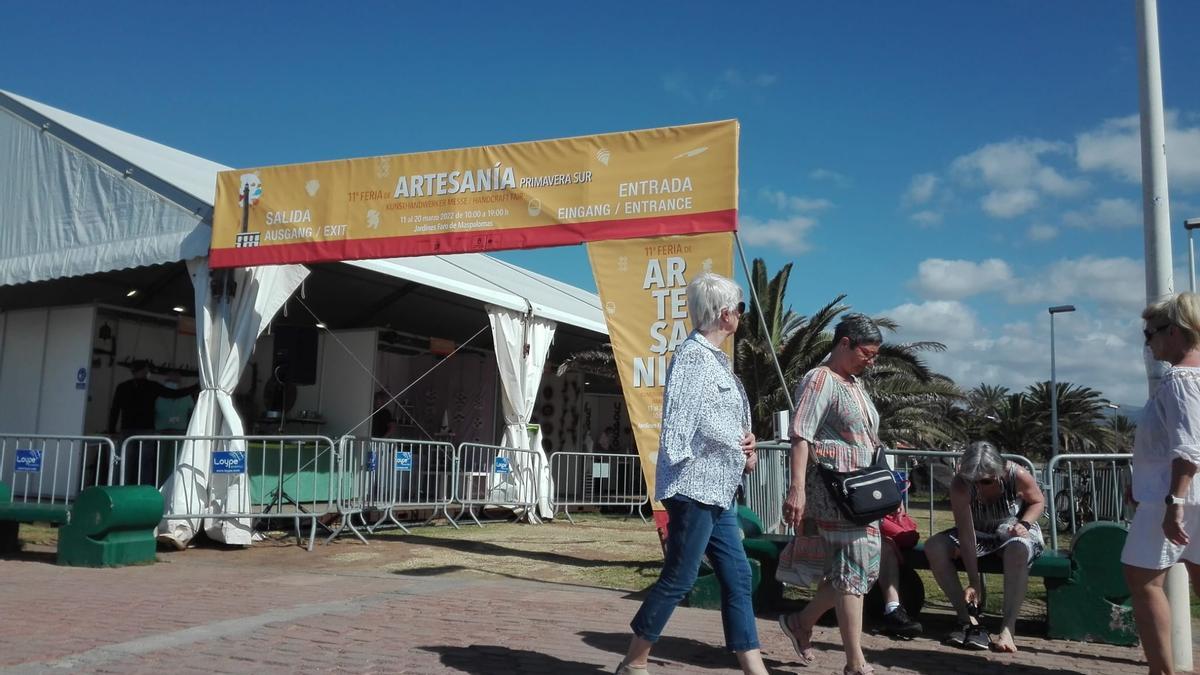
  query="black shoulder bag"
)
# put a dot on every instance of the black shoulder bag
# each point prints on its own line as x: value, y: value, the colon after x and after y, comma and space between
x: 866, y: 495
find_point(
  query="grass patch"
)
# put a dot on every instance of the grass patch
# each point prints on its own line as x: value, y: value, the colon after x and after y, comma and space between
x: 38, y: 534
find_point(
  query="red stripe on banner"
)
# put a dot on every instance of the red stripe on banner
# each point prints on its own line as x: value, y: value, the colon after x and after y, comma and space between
x: 564, y: 234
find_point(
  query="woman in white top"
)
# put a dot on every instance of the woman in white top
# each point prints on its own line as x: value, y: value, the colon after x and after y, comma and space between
x: 1166, y: 452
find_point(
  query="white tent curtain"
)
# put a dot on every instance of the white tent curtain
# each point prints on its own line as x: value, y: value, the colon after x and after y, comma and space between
x: 522, y: 343
x: 225, y: 337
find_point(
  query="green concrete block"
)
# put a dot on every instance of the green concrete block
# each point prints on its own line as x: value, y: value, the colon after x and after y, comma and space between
x: 111, y: 526
x: 1093, y: 604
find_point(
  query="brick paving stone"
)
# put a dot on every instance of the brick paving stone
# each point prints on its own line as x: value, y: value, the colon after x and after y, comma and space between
x: 208, y: 613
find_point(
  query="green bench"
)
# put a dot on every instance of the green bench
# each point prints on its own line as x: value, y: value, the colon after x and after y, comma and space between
x: 12, y: 514
x: 1086, y: 596
x: 106, y: 526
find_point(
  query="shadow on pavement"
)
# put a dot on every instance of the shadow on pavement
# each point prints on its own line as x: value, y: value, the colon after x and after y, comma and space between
x: 48, y: 557
x: 1081, y: 653
x: 692, y: 653
x: 488, y: 548
x: 492, y: 659
x: 924, y: 661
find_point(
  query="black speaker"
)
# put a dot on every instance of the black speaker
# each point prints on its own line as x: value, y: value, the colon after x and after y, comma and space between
x: 294, y: 359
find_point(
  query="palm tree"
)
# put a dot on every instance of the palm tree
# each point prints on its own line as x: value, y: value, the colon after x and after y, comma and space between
x: 1119, y: 434
x: 1014, y: 429
x: 1080, y: 416
x: 799, y: 343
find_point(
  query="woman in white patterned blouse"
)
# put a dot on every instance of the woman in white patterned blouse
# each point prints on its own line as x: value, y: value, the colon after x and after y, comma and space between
x: 704, y: 449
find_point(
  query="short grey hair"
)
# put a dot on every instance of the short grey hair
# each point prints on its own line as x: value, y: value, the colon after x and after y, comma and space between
x: 860, y: 328
x: 980, y: 460
x: 707, y: 295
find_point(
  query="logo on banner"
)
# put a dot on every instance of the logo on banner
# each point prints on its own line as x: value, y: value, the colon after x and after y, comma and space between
x: 228, y: 461
x: 403, y: 460
x: 81, y: 378
x: 502, y: 465
x: 251, y: 182
x: 28, y: 460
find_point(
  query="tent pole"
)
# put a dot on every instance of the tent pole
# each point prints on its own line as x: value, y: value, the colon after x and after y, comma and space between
x: 763, y: 320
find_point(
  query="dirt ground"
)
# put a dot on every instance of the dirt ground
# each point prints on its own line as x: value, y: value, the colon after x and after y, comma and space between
x: 599, y: 551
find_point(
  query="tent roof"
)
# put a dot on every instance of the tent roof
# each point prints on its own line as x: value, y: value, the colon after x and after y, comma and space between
x: 189, y: 182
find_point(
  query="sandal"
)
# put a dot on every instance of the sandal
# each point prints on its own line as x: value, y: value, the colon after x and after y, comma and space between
x: 867, y: 669
x: 804, y: 651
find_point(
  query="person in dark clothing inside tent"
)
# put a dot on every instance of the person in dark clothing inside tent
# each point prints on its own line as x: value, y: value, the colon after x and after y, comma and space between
x: 132, y: 414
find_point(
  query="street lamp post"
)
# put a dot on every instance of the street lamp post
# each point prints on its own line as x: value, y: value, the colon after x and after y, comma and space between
x: 1191, y: 224
x: 1057, y: 309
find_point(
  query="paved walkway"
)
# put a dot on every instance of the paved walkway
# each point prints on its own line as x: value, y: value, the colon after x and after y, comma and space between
x: 209, y: 611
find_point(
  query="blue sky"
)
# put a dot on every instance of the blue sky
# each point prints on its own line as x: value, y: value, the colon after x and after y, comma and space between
x: 956, y: 166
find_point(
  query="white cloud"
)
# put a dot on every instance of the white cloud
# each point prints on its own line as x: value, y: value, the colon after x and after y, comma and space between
x: 788, y: 235
x: 1106, y: 213
x: 1009, y: 203
x: 838, y: 179
x: 926, y: 218
x: 940, y: 279
x: 1118, y: 283
x: 785, y: 202
x: 937, y: 320
x: 921, y: 189
x: 1115, y: 147
x: 1041, y: 232
x: 1091, y: 349
x: 676, y: 84
x: 729, y: 80
x: 1017, y: 164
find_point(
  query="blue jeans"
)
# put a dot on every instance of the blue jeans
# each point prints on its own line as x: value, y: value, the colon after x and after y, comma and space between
x: 694, y: 529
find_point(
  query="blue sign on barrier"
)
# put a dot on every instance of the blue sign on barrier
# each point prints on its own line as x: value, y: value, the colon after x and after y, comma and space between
x: 28, y: 460
x: 901, y: 480
x: 372, y: 460
x: 502, y: 465
x: 228, y: 461
x: 403, y: 460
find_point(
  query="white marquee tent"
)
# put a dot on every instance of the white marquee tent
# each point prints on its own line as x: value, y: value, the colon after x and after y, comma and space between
x: 80, y: 198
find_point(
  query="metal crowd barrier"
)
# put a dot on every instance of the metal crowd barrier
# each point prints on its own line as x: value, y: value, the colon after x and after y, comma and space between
x: 490, y: 475
x: 246, y: 477
x: 44, y: 469
x: 1080, y: 494
x: 765, y: 489
x: 597, y: 479
x: 383, y: 475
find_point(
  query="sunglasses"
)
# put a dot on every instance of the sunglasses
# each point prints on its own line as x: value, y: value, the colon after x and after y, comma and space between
x: 1150, y: 332
x: 986, y: 481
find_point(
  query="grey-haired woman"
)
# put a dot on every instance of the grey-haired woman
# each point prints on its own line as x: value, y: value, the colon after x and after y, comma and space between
x: 996, y: 505
x: 704, y: 448
x: 835, y: 425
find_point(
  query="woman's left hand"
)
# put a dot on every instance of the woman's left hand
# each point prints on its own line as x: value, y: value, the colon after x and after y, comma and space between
x: 1173, y: 526
x: 748, y: 443
x: 751, y: 462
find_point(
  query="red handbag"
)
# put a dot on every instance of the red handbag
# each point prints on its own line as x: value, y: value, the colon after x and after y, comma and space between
x: 900, y: 528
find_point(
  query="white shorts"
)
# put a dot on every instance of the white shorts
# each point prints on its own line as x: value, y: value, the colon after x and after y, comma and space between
x: 1147, y: 547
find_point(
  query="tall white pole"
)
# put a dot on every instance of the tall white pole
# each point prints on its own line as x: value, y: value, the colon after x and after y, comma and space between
x: 1155, y: 200
x: 1156, y: 213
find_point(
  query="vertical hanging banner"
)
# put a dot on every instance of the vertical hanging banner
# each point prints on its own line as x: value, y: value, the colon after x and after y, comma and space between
x: 655, y: 182
x: 642, y: 285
